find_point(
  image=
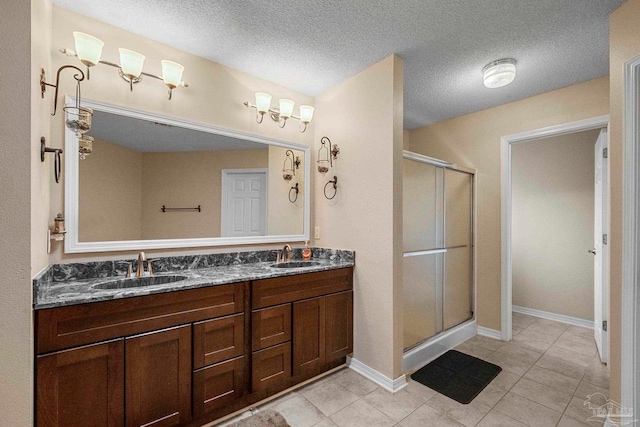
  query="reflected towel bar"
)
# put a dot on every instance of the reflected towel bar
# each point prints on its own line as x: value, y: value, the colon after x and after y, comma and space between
x: 165, y: 209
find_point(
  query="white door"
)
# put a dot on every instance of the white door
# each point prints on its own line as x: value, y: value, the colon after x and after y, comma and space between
x: 244, y: 203
x: 600, y: 251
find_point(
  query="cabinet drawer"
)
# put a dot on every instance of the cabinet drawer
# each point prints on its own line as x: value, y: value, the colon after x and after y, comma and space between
x: 217, y: 340
x: 218, y: 385
x: 271, y: 367
x: 65, y: 327
x: 281, y: 290
x: 271, y: 326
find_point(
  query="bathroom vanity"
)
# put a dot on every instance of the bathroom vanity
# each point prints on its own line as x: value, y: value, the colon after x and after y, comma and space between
x: 187, y: 352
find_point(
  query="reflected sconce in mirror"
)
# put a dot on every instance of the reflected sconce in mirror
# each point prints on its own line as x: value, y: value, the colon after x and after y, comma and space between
x: 57, y: 160
x: 281, y: 114
x: 89, y: 51
x: 291, y: 163
x: 85, y: 146
x: 326, y: 155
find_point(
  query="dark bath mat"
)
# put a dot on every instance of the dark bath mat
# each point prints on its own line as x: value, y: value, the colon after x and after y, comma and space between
x: 457, y: 375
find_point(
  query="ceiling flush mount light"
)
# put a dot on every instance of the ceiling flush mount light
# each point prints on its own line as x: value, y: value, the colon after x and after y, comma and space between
x: 89, y: 51
x: 499, y: 73
x: 282, y: 114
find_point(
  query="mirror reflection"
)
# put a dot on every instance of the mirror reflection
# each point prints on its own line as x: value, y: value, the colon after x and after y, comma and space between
x: 145, y: 180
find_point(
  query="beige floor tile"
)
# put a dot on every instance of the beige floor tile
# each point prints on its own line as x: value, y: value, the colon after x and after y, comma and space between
x: 325, y: 423
x: 542, y: 394
x: 515, y: 330
x: 585, y: 389
x: 321, y: 381
x: 520, y: 352
x: 329, y: 397
x: 508, y: 363
x: 469, y: 415
x: 355, y: 383
x: 361, y: 414
x: 529, y: 335
x: 575, y: 357
x: 522, y: 320
x: 473, y: 350
x: 419, y: 391
x: 533, y: 344
x: 299, y: 412
x: 505, y: 380
x: 561, y: 367
x: 552, y: 379
x: 235, y: 419
x: 547, y: 327
x: 498, y: 419
x: 530, y: 413
x: 485, y: 342
x: 580, y: 331
x: 597, y: 376
x: 279, y: 400
x: 581, y: 412
x: 577, y: 344
x: 570, y: 422
x: 426, y: 416
x: 394, y: 405
x: 490, y: 395
x: 596, y: 363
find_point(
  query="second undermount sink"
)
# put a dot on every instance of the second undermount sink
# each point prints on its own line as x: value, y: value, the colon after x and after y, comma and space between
x: 138, y: 282
x: 295, y: 264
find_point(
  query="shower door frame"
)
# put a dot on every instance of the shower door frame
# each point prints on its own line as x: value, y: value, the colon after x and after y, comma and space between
x: 410, y: 155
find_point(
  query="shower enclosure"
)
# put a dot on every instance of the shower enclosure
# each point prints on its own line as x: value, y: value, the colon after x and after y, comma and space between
x: 438, y: 247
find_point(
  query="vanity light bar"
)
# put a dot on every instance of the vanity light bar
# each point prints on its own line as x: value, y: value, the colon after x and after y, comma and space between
x: 280, y: 115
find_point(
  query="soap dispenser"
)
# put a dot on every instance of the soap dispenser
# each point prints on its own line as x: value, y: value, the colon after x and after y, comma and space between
x: 306, y: 251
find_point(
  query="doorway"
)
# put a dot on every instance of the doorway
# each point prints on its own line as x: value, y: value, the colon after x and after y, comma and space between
x: 244, y: 202
x: 508, y: 250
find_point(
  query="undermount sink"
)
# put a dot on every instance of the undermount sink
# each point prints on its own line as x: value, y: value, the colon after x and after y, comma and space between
x: 295, y: 264
x: 138, y: 282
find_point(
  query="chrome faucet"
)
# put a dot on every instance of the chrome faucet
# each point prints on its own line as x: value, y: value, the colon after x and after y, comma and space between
x: 286, y: 253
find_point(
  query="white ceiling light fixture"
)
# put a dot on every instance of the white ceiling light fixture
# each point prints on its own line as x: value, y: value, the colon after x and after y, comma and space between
x: 499, y: 73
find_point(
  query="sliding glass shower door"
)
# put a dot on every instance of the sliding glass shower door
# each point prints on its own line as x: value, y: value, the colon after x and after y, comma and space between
x: 438, y: 249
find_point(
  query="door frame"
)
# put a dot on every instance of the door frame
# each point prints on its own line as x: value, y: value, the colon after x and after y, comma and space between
x: 223, y: 202
x: 630, y: 316
x: 506, y: 194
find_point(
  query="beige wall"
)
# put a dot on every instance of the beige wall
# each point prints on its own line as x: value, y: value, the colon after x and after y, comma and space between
x: 473, y: 140
x: 110, y: 194
x: 215, y: 97
x: 189, y: 179
x: 284, y: 217
x: 367, y: 126
x: 624, y: 42
x: 553, y: 210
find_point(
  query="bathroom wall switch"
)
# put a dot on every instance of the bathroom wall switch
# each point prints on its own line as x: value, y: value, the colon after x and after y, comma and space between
x: 317, y: 233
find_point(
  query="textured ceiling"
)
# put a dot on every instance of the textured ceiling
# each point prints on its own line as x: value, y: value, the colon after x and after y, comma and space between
x: 311, y: 45
x: 141, y: 135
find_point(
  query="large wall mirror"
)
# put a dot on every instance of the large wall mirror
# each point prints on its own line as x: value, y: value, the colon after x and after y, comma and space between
x: 158, y: 182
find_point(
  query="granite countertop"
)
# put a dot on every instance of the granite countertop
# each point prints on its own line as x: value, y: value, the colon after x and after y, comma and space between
x: 69, y: 284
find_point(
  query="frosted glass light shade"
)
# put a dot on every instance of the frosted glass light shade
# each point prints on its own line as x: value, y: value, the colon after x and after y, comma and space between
x: 131, y: 62
x: 263, y: 102
x: 286, y: 108
x: 306, y: 113
x: 88, y: 48
x: 499, y: 73
x: 171, y: 73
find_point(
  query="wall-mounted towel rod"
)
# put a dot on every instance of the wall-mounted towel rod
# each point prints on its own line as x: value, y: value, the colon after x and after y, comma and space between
x: 166, y: 209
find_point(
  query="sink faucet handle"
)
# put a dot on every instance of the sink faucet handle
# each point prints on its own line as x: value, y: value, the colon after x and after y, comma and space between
x: 150, y: 266
x: 129, y: 270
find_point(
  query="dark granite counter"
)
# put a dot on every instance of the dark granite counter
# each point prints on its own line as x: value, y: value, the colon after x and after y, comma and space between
x: 69, y: 284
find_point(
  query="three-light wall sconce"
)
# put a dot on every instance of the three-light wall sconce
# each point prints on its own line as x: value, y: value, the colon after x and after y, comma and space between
x: 89, y: 51
x: 283, y: 113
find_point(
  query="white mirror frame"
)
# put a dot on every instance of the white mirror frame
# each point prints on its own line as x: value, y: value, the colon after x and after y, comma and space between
x: 71, y: 178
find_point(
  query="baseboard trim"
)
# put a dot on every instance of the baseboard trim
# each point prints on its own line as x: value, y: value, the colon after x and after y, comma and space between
x: 377, y: 377
x: 553, y: 316
x: 419, y: 356
x: 489, y: 333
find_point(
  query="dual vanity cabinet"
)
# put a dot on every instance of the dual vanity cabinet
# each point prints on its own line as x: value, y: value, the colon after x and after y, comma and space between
x: 187, y: 357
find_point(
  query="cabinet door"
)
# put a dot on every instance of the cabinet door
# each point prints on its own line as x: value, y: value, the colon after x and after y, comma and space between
x: 158, y: 378
x: 81, y: 387
x: 308, y: 335
x: 339, y: 329
x: 218, y: 385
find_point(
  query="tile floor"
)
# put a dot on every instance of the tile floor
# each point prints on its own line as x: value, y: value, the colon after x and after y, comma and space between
x: 549, y: 369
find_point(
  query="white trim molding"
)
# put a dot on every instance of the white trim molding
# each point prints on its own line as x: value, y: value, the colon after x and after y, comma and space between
x: 506, y: 173
x: 427, y: 351
x: 489, y: 333
x: 554, y: 316
x: 630, y: 333
x: 382, y: 380
x: 71, y: 175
